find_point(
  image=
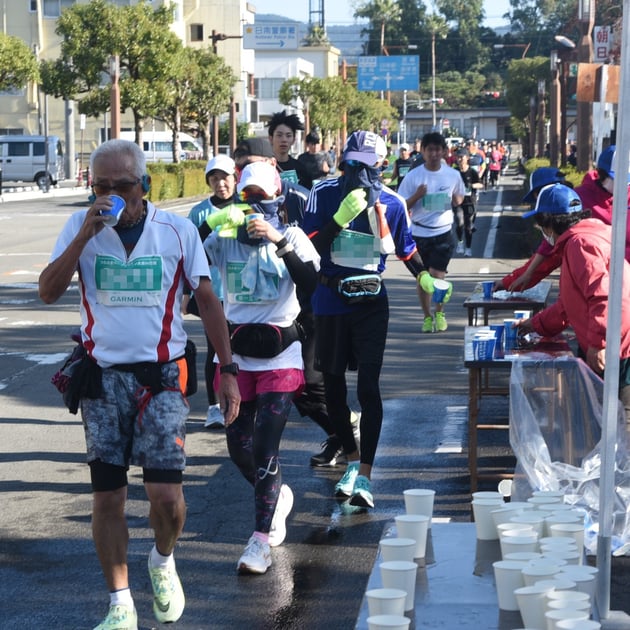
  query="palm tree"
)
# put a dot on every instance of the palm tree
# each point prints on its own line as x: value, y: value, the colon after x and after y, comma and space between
x: 379, y: 12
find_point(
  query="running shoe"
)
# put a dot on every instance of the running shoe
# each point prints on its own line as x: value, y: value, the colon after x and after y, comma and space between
x: 119, y: 617
x: 460, y: 247
x: 256, y: 558
x: 168, y: 594
x: 345, y: 485
x: 468, y: 252
x: 332, y: 453
x: 427, y: 326
x: 214, y: 419
x: 278, y: 531
x: 440, y: 322
x: 362, y: 493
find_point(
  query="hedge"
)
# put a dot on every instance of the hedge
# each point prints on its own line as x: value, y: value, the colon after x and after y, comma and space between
x: 174, y: 181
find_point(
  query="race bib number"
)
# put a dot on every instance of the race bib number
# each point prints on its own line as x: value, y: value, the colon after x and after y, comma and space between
x: 356, y: 249
x: 436, y: 202
x: 236, y: 292
x: 289, y: 176
x: 134, y: 283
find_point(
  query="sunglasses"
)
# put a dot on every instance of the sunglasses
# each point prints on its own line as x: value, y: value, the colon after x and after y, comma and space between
x: 121, y: 187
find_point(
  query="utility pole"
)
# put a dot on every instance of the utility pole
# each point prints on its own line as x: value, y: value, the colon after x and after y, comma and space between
x: 584, y: 111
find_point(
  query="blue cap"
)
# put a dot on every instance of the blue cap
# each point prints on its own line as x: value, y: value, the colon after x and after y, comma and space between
x: 542, y: 177
x: 366, y: 147
x: 556, y: 199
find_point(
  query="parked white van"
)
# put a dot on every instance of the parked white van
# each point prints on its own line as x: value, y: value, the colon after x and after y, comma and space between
x: 158, y: 145
x: 23, y: 159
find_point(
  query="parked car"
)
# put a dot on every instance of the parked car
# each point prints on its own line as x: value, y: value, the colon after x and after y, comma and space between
x: 25, y: 159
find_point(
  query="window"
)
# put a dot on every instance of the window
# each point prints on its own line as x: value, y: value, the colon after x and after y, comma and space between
x: 11, y: 131
x: 39, y: 148
x: 17, y: 149
x: 267, y: 88
x: 33, y: 6
x: 196, y: 33
x: 53, y: 8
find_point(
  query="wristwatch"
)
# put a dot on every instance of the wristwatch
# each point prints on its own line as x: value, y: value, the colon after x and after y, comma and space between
x: 230, y: 368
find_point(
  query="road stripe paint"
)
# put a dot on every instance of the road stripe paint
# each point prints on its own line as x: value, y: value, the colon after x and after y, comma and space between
x: 488, y: 251
x: 453, y: 430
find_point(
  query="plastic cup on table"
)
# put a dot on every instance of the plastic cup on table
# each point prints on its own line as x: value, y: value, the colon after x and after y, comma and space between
x: 488, y: 288
x: 440, y: 288
x: 483, y: 346
x: 386, y: 601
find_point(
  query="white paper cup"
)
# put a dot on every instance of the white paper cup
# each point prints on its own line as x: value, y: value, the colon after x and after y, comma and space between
x: 543, y: 500
x: 523, y: 556
x: 582, y: 576
x: 386, y: 601
x: 553, y: 616
x: 414, y: 526
x: 487, y: 494
x: 573, y: 605
x: 419, y: 501
x: 575, y: 530
x: 532, y: 601
x: 578, y: 624
x: 565, y: 556
x: 508, y: 576
x: 532, y: 518
x: 537, y: 573
x: 558, y: 540
x: 397, y: 549
x: 484, y: 523
x: 510, y: 526
x: 548, y: 493
x: 514, y: 544
x: 567, y: 597
x: 504, y: 514
x: 561, y: 518
x: 560, y: 582
x: 388, y: 622
x: 400, y: 575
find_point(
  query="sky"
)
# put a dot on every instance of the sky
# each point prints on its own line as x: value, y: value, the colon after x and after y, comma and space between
x: 341, y: 11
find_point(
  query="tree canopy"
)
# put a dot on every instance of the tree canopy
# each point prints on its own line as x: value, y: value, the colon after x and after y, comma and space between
x: 18, y: 64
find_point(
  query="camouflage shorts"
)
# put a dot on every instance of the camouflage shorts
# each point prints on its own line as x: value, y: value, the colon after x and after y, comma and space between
x: 120, y: 431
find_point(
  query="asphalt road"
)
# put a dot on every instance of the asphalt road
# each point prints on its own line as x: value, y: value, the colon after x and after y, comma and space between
x: 49, y: 573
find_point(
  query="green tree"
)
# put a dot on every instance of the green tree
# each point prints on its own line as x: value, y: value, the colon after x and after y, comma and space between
x: 385, y: 16
x: 18, y: 65
x: 91, y: 33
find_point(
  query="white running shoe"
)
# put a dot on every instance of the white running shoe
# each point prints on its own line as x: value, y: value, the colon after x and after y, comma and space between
x: 468, y: 252
x: 278, y: 531
x: 256, y: 558
x: 214, y: 419
x: 460, y: 247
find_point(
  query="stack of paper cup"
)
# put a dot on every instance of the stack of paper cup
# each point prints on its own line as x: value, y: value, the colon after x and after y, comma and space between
x: 532, y: 602
x: 400, y: 575
x: 554, y: 616
x: 386, y: 601
x: 567, y: 597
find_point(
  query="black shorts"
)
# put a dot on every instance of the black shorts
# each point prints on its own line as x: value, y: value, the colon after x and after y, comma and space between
x: 436, y: 251
x: 345, y: 341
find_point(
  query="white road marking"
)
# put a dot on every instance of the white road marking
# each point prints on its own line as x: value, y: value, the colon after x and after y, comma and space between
x: 453, y: 430
x: 492, y: 231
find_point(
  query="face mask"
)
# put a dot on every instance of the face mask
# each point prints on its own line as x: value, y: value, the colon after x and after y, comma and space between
x: 608, y: 184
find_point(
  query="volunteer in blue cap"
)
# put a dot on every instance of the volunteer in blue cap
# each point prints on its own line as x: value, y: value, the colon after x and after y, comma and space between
x: 354, y: 222
x: 584, y: 246
x: 542, y: 263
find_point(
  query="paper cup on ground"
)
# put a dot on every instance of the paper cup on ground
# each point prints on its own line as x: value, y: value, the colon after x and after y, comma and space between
x: 414, y: 526
x: 113, y: 214
x: 532, y: 601
x: 440, y: 287
x: 553, y: 616
x: 508, y: 577
x: 487, y: 287
x: 386, y: 601
x: 400, y: 575
x: 578, y: 624
x: 388, y: 622
x: 419, y: 501
x: 397, y: 549
x: 482, y: 513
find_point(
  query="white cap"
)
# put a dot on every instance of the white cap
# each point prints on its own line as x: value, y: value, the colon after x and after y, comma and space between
x: 260, y: 174
x: 221, y: 162
x: 404, y: 146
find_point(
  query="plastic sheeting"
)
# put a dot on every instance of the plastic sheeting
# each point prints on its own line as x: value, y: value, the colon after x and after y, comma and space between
x: 555, y: 433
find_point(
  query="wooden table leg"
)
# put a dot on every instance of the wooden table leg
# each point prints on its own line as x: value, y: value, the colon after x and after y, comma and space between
x: 474, y: 374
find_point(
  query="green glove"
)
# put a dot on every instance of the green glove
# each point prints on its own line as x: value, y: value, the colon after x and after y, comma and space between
x: 353, y: 204
x: 230, y: 217
x: 426, y: 280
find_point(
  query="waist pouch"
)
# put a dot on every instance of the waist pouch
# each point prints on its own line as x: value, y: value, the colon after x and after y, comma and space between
x: 79, y: 377
x: 262, y: 341
x: 355, y: 289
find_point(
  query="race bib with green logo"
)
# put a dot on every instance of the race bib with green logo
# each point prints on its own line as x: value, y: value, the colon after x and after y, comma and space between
x: 236, y: 292
x: 436, y: 202
x: 289, y: 176
x: 134, y: 283
x: 356, y: 249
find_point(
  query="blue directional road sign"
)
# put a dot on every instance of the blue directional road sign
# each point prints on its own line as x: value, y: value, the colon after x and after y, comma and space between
x: 398, y: 72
